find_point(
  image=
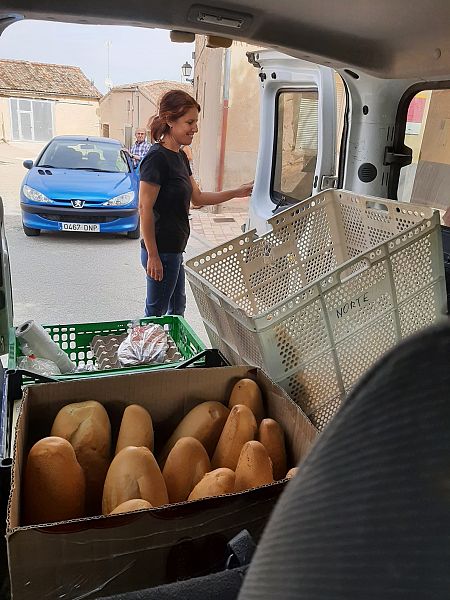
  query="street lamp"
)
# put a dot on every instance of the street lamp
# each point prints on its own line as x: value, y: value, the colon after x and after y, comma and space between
x: 186, y: 70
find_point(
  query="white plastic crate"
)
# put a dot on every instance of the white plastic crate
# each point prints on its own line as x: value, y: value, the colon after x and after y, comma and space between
x: 315, y: 302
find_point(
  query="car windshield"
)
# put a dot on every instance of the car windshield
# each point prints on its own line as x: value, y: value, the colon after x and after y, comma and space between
x: 89, y: 156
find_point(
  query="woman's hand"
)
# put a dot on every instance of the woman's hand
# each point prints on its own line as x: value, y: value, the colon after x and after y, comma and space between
x: 154, y: 267
x: 200, y: 198
x: 244, y: 190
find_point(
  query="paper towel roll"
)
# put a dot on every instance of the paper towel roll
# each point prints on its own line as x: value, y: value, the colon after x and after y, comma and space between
x: 42, y: 345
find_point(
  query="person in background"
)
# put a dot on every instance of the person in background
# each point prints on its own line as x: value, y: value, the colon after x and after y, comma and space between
x: 166, y: 189
x: 140, y: 148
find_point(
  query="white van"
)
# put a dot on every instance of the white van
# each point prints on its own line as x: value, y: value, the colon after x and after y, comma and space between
x: 302, y: 117
x: 323, y: 128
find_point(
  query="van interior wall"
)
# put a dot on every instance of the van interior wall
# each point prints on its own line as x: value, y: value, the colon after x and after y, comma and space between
x: 372, y: 120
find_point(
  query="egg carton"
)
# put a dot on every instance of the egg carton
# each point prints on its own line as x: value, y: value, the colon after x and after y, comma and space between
x: 105, y: 347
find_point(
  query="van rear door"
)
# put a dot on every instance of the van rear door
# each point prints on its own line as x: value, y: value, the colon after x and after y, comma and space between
x: 300, y: 123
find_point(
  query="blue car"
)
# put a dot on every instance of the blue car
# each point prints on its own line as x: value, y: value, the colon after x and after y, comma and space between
x: 79, y: 183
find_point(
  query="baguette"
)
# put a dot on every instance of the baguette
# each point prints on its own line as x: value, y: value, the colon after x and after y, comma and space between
x: 86, y: 426
x: 240, y: 428
x: 136, y: 428
x: 214, y: 483
x: 54, y: 486
x: 130, y: 506
x: 204, y: 423
x: 185, y: 466
x: 247, y: 392
x: 254, y: 467
x: 134, y: 474
x: 271, y: 437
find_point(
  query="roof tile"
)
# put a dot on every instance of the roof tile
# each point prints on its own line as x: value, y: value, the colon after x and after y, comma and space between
x: 20, y: 77
x: 154, y: 90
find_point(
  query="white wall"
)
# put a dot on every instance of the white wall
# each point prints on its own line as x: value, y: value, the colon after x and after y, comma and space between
x: 71, y: 116
x: 76, y: 117
x: 242, y: 133
x: 5, y: 119
x: 208, y: 90
x: 243, y: 118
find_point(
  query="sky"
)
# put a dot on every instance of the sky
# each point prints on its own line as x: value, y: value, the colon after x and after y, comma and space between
x: 135, y: 53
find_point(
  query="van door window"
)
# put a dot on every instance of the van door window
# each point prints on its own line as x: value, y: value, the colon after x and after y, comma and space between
x: 427, y: 179
x: 295, y: 145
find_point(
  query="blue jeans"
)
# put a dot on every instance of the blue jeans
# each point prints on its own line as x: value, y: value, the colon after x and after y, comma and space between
x: 166, y: 297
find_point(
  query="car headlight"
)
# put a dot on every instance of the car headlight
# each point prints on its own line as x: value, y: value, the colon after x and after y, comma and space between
x: 34, y: 195
x: 120, y: 200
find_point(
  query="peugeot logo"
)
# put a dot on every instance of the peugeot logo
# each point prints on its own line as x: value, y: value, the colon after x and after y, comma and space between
x: 77, y: 203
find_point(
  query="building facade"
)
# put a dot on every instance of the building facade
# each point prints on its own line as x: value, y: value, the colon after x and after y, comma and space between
x: 227, y: 88
x: 39, y: 101
x: 127, y: 107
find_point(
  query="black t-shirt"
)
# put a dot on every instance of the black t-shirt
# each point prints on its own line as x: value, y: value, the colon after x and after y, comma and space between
x: 171, y: 171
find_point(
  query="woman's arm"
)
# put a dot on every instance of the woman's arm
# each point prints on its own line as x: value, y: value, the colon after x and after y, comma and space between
x: 200, y: 198
x: 148, y: 193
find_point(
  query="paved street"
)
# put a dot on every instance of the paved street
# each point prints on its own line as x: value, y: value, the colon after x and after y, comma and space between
x: 75, y: 278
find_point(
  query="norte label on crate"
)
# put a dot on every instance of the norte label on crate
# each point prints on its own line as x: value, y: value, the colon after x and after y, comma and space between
x: 367, y: 300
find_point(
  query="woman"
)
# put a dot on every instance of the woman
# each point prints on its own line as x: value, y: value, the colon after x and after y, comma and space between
x: 166, y: 189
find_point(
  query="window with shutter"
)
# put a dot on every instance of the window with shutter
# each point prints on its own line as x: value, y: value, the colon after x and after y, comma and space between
x: 296, y: 145
x: 31, y: 120
x: 307, y: 125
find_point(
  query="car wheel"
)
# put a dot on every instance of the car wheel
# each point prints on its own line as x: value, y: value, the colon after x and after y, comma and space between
x: 135, y: 234
x: 30, y: 231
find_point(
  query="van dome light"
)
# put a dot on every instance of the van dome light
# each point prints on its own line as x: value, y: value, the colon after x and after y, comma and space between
x: 220, y: 18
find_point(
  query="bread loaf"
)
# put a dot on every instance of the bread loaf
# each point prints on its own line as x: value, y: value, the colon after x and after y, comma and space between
x: 292, y: 472
x: 136, y: 428
x: 204, y: 423
x: 133, y: 474
x: 247, y: 392
x: 254, y: 467
x: 271, y: 437
x: 54, y: 487
x: 214, y: 483
x: 185, y: 466
x: 130, y: 506
x: 86, y: 426
x: 239, y: 428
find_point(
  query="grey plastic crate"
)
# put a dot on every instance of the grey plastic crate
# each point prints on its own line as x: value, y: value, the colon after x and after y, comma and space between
x: 339, y: 280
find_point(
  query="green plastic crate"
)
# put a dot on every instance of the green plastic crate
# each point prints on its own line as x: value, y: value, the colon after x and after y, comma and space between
x: 75, y: 340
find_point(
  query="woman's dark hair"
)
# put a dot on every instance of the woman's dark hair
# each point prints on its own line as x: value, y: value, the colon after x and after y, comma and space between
x: 172, y: 106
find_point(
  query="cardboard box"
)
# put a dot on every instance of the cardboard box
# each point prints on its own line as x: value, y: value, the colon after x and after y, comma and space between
x: 98, y: 556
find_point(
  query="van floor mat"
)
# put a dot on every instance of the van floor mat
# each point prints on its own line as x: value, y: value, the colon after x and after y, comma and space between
x: 224, y: 585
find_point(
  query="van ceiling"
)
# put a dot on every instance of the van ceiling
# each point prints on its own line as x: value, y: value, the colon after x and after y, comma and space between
x: 385, y: 38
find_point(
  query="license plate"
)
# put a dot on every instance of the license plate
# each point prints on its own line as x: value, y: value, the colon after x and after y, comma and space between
x: 83, y: 227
